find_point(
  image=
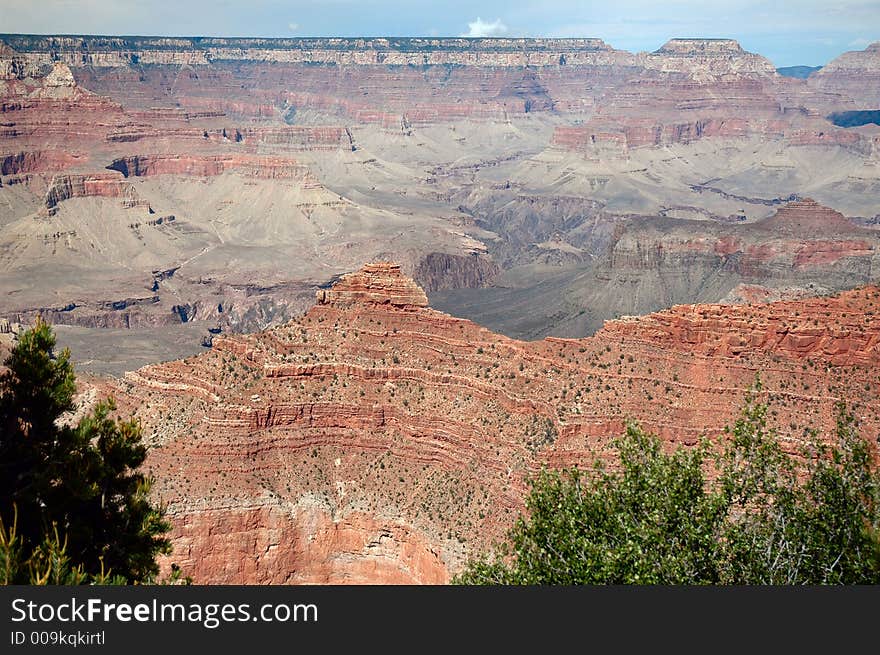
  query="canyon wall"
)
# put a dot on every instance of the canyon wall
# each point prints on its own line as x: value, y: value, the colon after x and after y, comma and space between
x: 855, y: 75
x: 564, y: 178
x: 377, y: 440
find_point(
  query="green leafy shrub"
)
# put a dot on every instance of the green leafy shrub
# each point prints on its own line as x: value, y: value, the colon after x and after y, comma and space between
x: 767, y: 518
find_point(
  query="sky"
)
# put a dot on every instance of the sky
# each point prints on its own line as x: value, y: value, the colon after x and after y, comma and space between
x: 788, y: 32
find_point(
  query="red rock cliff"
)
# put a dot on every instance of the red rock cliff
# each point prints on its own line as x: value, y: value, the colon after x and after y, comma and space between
x: 378, y: 440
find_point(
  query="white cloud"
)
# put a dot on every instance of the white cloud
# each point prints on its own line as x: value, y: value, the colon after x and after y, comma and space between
x: 480, y: 28
x: 293, y: 27
x: 860, y: 42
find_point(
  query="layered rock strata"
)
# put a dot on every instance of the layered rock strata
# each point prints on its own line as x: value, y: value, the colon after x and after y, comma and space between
x: 377, y: 440
x: 259, y: 169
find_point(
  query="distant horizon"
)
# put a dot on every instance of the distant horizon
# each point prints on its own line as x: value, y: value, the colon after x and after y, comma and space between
x: 787, y: 32
x: 509, y: 37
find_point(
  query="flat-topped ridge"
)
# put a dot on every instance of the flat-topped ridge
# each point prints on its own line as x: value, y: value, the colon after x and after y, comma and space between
x: 712, y: 56
x: 694, y: 46
x: 88, y: 43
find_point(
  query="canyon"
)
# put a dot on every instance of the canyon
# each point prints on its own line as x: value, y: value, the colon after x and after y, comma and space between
x: 377, y: 440
x: 182, y: 188
x: 358, y: 292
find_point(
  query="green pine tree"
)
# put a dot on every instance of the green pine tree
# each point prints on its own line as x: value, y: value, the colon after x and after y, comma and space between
x: 74, y: 489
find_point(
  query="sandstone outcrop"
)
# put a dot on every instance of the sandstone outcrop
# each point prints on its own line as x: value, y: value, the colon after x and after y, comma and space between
x: 379, y: 283
x: 297, y: 138
x: 708, y: 59
x: 270, y: 168
x: 834, y: 332
x: 41, y: 161
x: 106, y: 185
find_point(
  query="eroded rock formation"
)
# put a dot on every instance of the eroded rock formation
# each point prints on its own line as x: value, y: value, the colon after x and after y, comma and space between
x: 853, y: 74
x: 514, y: 176
x: 377, y: 440
x: 269, y: 168
x: 379, y: 283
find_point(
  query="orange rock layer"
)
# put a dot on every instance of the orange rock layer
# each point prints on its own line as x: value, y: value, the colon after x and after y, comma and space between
x: 378, y: 440
x: 380, y: 283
